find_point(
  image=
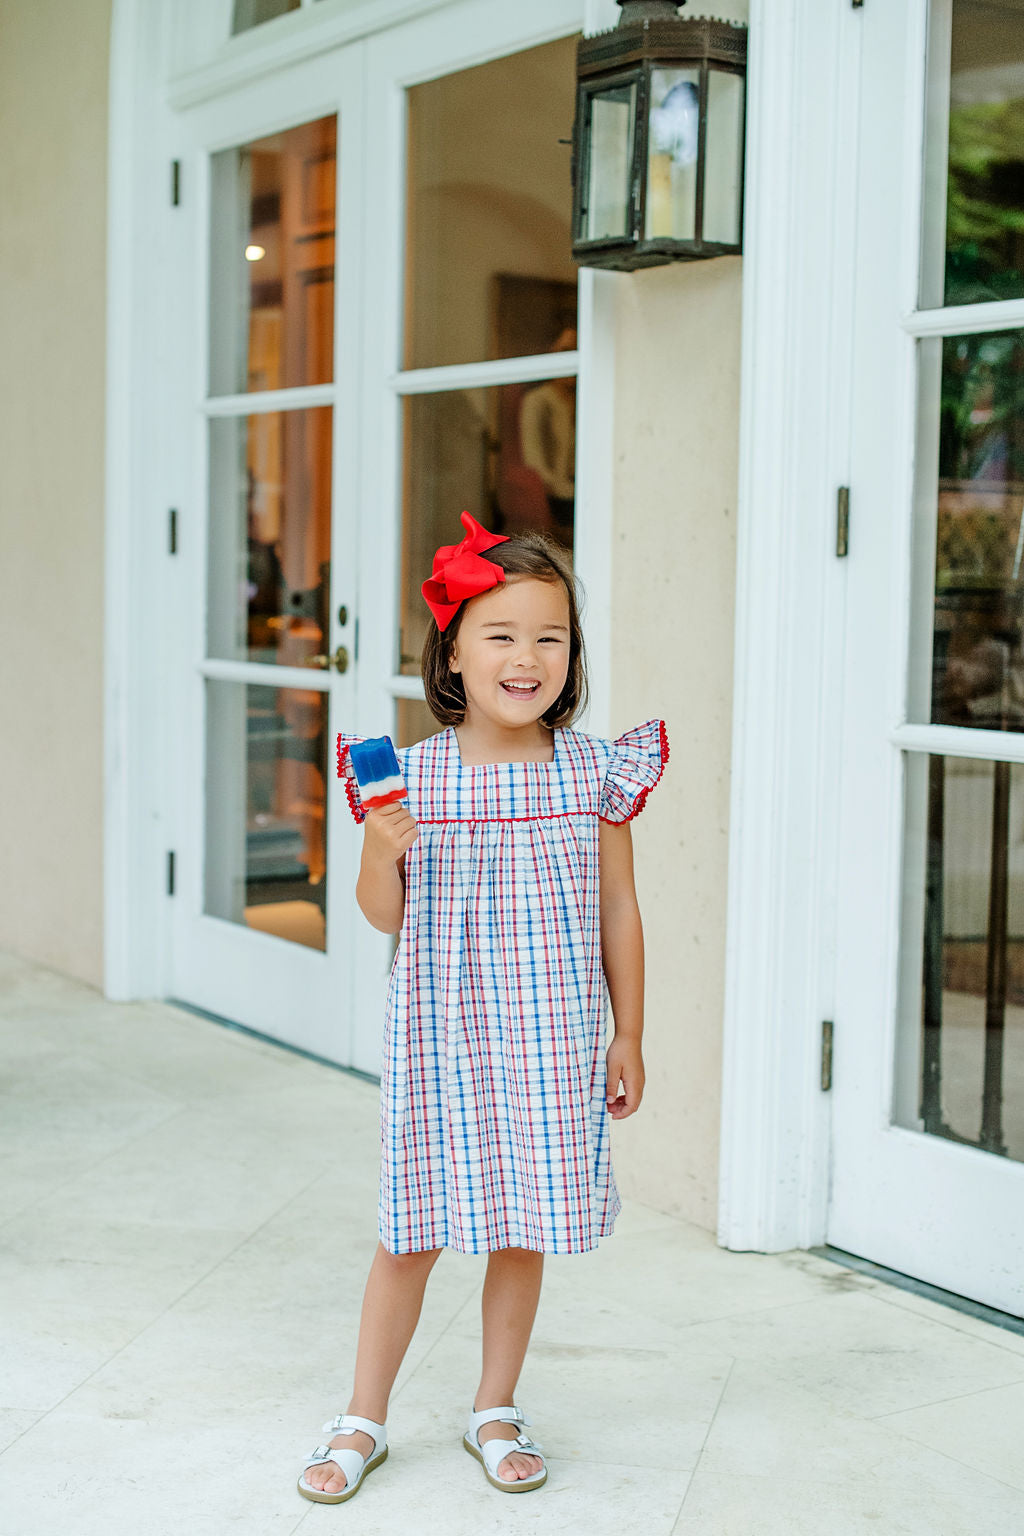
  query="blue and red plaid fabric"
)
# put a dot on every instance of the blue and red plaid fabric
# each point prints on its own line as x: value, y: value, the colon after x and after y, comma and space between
x: 494, y: 1129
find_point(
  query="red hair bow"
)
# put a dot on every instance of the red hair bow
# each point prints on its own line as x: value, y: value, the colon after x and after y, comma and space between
x: 460, y: 571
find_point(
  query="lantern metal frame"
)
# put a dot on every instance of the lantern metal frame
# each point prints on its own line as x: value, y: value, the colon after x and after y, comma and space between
x: 627, y: 56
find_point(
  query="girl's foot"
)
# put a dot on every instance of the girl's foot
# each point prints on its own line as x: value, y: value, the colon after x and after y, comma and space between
x: 518, y: 1463
x: 329, y: 1477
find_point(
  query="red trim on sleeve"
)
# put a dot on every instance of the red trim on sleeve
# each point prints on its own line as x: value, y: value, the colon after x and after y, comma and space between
x: 641, y: 799
x: 351, y: 792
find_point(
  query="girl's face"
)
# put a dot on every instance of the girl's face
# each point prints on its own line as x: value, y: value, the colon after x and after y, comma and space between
x: 512, y: 650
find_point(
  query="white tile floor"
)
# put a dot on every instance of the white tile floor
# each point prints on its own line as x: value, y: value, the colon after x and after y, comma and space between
x: 187, y: 1215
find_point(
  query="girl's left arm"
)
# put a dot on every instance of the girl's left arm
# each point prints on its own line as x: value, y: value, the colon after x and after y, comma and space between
x: 622, y: 956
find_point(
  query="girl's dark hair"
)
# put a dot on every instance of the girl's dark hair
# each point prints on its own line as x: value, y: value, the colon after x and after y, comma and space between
x: 525, y: 554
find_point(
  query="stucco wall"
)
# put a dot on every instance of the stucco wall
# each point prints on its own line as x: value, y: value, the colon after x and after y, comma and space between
x: 53, y: 148
x: 676, y: 456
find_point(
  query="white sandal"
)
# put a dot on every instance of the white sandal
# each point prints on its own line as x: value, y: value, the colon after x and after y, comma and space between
x: 493, y: 1452
x: 354, y: 1465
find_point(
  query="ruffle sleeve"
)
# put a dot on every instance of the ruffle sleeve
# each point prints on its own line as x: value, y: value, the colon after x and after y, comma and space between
x: 346, y: 740
x: 636, y: 763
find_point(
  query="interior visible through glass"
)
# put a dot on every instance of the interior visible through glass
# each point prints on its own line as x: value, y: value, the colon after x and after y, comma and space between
x: 973, y: 510
x: 973, y: 228
x: 505, y: 454
x: 272, y: 261
x: 270, y: 536
x: 960, y: 1060
x: 489, y: 200
x: 266, y: 809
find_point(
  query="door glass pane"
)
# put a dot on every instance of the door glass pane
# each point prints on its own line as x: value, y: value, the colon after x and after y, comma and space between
x: 507, y: 455
x: 251, y: 13
x: 489, y: 196
x: 270, y: 536
x: 967, y: 660
x: 266, y: 809
x: 973, y: 225
x: 272, y: 261
x: 960, y: 1062
x: 672, y: 154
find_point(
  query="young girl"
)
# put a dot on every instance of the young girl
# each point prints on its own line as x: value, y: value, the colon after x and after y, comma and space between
x: 510, y: 876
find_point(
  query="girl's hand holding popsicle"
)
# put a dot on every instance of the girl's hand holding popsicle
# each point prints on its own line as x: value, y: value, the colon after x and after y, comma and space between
x: 388, y: 831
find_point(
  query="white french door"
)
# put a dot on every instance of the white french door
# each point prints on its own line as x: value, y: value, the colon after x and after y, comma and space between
x: 380, y: 276
x: 928, y: 1151
x: 265, y: 928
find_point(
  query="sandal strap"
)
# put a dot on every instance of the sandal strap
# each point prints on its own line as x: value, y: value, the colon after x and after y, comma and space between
x: 350, y: 1462
x: 478, y: 1416
x: 494, y: 1451
x: 348, y: 1423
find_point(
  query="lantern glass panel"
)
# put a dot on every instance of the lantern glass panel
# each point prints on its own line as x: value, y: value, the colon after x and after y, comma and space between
x: 609, y: 129
x: 673, y: 131
x: 723, y: 158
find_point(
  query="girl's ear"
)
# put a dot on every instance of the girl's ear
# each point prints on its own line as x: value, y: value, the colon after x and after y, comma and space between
x: 454, y: 665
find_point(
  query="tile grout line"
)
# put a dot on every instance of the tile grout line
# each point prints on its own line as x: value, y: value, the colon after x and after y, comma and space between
x: 703, y: 1444
x: 945, y: 1322
x: 163, y: 1313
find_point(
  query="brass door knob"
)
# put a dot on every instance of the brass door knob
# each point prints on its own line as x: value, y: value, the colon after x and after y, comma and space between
x: 339, y: 661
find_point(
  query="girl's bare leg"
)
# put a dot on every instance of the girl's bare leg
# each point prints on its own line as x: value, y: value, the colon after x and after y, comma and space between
x: 392, y: 1303
x: 509, y: 1306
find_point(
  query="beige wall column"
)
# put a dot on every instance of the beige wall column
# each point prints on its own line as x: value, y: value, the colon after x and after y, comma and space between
x: 673, y: 564
x: 53, y: 173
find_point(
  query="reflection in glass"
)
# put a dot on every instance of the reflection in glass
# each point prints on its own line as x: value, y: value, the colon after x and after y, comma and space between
x: 973, y: 232
x: 960, y: 1053
x: 251, y: 13
x: 506, y: 454
x: 607, y: 175
x: 672, y: 154
x: 977, y: 673
x: 489, y: 199
x: 270, y: 532
x: 272, y: 261
x: 266, y: 809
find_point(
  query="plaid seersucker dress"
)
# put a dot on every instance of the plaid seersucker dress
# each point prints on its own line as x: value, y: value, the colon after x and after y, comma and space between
x: 494, y: 1130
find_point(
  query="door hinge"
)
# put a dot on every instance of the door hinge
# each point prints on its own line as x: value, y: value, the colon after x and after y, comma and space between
x: 175, y: 183
x: 857, y: 4
x: 172, y: 531
x: 843, y: 521
x: 826, y: 1055
x: 170, y: 872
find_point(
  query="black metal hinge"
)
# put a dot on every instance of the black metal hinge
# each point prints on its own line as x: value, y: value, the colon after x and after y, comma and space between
x: 826, y: 1055
x: 857, y: 4
x: 170, y: 872
x: 175, y: 183
x: 843, y: 521
x: 172, y: 531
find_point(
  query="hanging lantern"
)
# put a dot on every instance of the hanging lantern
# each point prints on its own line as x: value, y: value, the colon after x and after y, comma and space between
x: 658, y: 139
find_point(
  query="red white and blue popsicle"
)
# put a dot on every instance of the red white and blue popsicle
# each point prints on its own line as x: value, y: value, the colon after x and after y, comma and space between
x: 378, y: 772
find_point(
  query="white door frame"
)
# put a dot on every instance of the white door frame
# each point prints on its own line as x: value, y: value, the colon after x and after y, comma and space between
x: 799, y: 242
x: 145, y: 477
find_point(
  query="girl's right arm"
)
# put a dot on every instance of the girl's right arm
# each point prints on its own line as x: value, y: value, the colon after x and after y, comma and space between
x: 380, y: 889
